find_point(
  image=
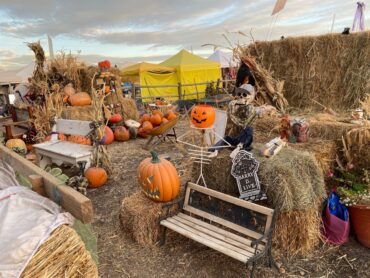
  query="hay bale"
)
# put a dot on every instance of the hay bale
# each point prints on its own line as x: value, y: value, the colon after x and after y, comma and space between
x: 297, y: 232
x: 329, y: 130
x: 140, y: 217
x: 82, y: 113
x: 356, y: 146
x: 62, y: 255
x: 312, y: 68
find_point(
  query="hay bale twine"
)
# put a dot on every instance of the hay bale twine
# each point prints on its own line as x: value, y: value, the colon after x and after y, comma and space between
x: 63, y: 254
x: 140, y: 217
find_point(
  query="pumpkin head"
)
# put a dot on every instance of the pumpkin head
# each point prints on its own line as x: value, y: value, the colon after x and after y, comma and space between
x: 156, y: 119
x: 96, y: 176
x: 80, y: 99
x: 116, y: 118
x: 147, y: 126
x: 158, y: 179
x: 79, y: 139
x: 171, y: 116
x: 121, y: 133
x: 144, y: 118
x: 203, y: 116
x: 17, y: 145
x: 108, y: 137
x: 158, y: 112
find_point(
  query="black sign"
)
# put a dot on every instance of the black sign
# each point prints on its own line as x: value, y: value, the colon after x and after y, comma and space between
x: 244, y: 170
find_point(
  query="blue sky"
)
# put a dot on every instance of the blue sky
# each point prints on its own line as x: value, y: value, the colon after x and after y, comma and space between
x: 144, y: 30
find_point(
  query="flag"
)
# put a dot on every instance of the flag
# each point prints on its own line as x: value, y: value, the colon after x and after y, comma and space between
x: 280, y: 4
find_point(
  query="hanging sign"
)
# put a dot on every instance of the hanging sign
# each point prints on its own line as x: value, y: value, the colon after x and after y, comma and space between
x: 244, y: 170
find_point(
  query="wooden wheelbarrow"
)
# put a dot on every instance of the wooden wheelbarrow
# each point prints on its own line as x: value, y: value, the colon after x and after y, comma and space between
x: 162, y: 132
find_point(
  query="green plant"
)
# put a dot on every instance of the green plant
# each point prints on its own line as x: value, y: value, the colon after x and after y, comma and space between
x: 57, y: 172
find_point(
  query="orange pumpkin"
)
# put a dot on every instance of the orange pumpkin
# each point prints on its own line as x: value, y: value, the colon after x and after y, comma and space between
x: 80, y: 99
x: 121, y: 133
x: 144, y: 118
x: 107, y: 89
x: 108, y: 137
x: 79, y: 139
x: 203, y: 116
x: 96, y: 176
x: 147, y: 126
x: 158, y: 179
x: 142, y: 133
x: 164, y: 121
x: 171, y: 116
x: 116, y: 118
x: 158, y: 112
x: 156, y: 119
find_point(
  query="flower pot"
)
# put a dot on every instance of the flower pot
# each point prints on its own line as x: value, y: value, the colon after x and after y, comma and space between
x: 360, y: 217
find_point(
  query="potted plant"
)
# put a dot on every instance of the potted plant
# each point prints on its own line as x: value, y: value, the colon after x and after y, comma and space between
x: 354, y: 190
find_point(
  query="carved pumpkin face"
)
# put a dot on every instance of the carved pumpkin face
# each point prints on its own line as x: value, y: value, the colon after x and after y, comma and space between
x: 203, y: 116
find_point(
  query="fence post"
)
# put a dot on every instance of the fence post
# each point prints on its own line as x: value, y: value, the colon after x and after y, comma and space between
x: 179, y: 90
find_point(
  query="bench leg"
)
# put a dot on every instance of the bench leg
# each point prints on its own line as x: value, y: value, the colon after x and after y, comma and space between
x: 163, y: 236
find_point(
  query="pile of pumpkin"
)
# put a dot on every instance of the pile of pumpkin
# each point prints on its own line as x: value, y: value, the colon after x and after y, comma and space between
x: 153, y: 120
x: 75, y: 99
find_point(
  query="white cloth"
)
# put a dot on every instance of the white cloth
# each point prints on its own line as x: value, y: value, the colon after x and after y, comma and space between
x: 26, y: 221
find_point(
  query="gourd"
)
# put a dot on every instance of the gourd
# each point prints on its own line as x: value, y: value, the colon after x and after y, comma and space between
x: 96, y: 176
x: 158, y: 179
x: 17, y: 145
x: 203, y: 116
x: 121, y: 133
x: 80, y: 99
x: 156, y: 119
x: 147, y: 126
x: 171, y: 116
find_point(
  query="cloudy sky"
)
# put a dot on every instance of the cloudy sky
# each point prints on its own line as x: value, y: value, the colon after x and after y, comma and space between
x: 151, y: 30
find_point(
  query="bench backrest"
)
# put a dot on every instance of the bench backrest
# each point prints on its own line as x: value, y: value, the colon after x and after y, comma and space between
x: 236, y: 214
x: 73, y: 127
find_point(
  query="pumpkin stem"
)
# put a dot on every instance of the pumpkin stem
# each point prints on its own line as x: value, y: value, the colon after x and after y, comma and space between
x: 155, y: 158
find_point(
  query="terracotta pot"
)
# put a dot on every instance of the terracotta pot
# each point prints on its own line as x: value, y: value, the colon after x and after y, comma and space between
x: 360, y: 217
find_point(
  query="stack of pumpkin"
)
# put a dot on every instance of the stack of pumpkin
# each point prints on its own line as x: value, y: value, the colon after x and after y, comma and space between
x: 75, y: 99
x: 153, y: 120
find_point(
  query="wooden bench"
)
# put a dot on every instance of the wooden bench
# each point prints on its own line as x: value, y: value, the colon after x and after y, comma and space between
x: 232, y: 226
x: 63, y: 151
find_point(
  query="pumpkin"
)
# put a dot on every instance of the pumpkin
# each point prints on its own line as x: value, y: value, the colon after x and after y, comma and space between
x: 96, y: 176
x: 116, y: 118
x: 147, y: 126
x: 142, y: 133
x: 133, y: 132
x: 156, y: 119
x: 79, y: 139
x: 158, y: 112
x: 80, y: 99
x: 203, y: 116
x: 171, y: 116
x: 68, y: 90
x: 164, y: 121
x: 158, y: 179
x: 107, y: 89
x: 121, y: 133
x: 144, y: 118
x: 108, y: 137
x: 16, y: 145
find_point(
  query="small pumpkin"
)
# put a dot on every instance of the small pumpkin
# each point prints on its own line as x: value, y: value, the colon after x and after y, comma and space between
x: 121, y: 133
x: 80, y: 99
x: 144, y: 118
x: 96, y: 177
x: 133, y: 132
x: 158, y: 112
x: 79, y: 139
x: 107, y: 89
x: 147, y: 126
x: 203, y: 116
x: 116, y: 118
x: 156, y: 119
x: 17, y: 145
x: 158, y: 179
x: 142, y: 133
x: 164, y: 121
x: 108, y: 137
x: 171, y: 116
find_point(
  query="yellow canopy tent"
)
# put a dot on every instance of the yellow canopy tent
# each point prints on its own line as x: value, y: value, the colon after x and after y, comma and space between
x: 193, y: 69
x: 146, y: 74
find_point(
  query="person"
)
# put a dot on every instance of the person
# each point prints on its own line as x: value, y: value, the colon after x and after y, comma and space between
x: 245, y: 82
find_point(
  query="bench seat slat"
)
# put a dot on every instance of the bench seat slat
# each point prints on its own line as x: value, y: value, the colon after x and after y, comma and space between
x: 207, y: 240
x: 217, y: 232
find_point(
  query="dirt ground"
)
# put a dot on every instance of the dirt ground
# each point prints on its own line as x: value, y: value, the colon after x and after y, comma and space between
x: 120, y: 256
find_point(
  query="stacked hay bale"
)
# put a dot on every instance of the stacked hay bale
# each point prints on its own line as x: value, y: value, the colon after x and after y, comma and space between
x: 63, y: 254
x: 140, y: 217
x: 294, y: 184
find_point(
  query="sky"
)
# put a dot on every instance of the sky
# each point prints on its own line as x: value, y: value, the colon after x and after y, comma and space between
x: 152, y: 30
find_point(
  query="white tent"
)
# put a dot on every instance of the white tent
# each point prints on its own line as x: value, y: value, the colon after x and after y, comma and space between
x: 225, y: 59
x: 17, y: 76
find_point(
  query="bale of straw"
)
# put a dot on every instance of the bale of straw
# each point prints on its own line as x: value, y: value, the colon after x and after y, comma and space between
x: 62, y: 255
x: 82, y: 113
x: 140, y: 217
x: 329, y: 130
x: 297, y: 232
x: 356, y: 146
x: 331, y: 69
x: 129, y: 108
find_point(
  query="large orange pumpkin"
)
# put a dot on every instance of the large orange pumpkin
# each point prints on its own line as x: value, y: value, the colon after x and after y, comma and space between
x: 158, y: 179
x: 147, y: 126
x: 80, y: 99
x: 156, y: 119
x: 121, y: 133
x: 79, y: 139
x: 203, y: 116
x: 96, y: 176
x: 171, y: 116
